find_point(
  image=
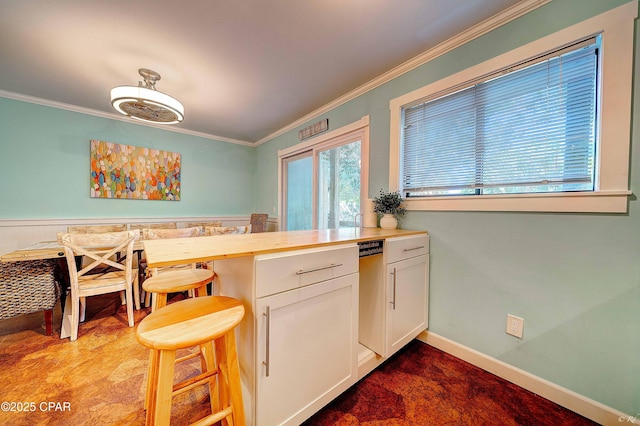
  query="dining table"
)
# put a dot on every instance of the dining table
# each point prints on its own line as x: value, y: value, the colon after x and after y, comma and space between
x: 47, y: 250
x: 36, y: 251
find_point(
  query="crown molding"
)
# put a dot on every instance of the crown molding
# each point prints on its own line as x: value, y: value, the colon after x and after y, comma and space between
x: 118, y: 117
x: 519, y: 9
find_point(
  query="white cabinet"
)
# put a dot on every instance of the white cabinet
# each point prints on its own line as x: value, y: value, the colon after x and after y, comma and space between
x: 407, y: 310
x: 394, y: 294
x: 307, y: 342
x: 306, y: 333
x: 306, y: 312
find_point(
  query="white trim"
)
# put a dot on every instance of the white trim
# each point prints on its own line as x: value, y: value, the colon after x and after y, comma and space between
x: 308, y: 144
x: 573, y: 202
x: 102, y: 114
x: 519, y: 9
x: 567, y: 398
x: 617, y: 29
x: 333, y: 138
x: 101, y: 221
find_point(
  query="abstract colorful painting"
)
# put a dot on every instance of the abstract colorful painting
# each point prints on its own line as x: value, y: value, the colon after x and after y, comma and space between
x: 124, y: 171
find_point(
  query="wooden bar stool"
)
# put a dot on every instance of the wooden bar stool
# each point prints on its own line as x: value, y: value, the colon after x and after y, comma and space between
x: 194, y: 322
x: 176, y: 281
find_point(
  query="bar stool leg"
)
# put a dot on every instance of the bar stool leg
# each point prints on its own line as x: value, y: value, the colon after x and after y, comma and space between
x: 158, y: 300
x: 201, y: 291
x: 234, y: 379
x: 152, y: 378
x: 208, y: 363
x: 161, y: 410
x: 230, y: 388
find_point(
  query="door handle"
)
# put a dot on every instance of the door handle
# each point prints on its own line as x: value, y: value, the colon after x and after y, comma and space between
x: 393, y: 300
x: 267, y: 314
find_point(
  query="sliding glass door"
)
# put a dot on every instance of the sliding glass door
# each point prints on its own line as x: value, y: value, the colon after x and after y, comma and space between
x: 322, y: 184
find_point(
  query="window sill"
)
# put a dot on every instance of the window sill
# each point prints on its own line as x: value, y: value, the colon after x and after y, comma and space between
x: 577, y: 202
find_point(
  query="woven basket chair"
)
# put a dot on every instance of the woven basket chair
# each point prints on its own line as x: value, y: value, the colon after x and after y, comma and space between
x: 29, y: 286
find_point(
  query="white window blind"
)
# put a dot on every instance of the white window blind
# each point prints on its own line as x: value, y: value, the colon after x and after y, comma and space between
x: 527, y: 129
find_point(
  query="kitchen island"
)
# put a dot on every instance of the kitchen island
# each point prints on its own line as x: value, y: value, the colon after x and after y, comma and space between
x: 323, y: 308
x: 180, y: 251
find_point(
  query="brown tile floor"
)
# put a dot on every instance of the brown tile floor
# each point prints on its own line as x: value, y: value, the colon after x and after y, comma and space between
x: 100, y: 379
x: 422, y: 385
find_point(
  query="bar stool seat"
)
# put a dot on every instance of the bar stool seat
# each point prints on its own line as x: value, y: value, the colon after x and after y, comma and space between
x: 194, y: 322
x: 177, y: 281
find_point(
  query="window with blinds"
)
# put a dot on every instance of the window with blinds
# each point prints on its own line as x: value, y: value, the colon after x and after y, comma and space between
x: 530, y: 128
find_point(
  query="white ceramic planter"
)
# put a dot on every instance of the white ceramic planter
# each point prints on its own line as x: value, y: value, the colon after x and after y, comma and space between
x: 388, y: 221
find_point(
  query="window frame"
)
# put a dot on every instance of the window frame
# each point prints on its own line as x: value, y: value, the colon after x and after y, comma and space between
x: 612, y: 153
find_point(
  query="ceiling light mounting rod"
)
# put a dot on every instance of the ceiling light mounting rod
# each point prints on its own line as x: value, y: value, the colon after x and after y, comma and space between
x: 145, y: 103
x: 150, y: 77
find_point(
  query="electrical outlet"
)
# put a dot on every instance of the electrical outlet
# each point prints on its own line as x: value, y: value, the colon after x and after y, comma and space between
x: 515, y: 325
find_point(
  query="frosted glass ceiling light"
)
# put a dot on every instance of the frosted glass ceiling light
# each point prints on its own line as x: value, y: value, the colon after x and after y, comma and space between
x: 145, y: 103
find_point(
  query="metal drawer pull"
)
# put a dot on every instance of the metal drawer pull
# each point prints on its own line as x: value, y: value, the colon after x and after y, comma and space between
x: 333, y: 265
x: 414, y: 248
x: 268, y: 332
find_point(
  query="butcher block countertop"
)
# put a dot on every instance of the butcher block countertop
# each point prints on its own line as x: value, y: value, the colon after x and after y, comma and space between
x: 170, y: 252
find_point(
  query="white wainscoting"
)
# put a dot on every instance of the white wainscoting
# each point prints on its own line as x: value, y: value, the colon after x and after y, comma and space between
x: 16, y: 234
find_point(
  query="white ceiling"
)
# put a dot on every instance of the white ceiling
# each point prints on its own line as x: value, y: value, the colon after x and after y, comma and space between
x: 243, y: 69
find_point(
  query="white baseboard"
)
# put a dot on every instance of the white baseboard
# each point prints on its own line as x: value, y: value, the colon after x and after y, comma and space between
x: 573, y: 401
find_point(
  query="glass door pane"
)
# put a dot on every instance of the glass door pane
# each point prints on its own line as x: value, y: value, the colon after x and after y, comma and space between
x: 339, y: 186
x: 299, y: 192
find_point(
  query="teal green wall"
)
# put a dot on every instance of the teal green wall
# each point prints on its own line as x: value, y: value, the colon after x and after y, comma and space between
x: 574, y: 278
x: 44, y: 167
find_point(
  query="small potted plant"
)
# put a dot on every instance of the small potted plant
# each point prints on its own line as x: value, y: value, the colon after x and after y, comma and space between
x: 389, y: 204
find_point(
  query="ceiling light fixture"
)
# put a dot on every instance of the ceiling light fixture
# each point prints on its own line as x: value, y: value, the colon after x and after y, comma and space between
x: 145, y: 103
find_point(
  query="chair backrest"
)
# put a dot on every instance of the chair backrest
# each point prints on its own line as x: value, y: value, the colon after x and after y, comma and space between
x: 96, y: 229
x: 157, y: 234
x: 161, y: 225
x: 258, y: 222
x: 203, y: 225
x: 221, y: 230
x: 100, y: 248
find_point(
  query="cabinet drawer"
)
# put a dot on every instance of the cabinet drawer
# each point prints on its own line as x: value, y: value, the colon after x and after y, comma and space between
x: 406, y: 247
x: 280, y: 272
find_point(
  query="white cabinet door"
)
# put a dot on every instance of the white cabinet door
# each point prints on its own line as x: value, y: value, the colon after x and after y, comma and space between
x: 407, y: 297
x: 307, y: 341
